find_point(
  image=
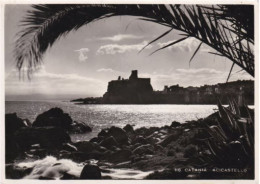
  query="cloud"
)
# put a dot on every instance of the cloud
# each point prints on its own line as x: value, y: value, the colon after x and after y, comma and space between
x: 116, y: 48
x: 105, y: 70
x: 120, y: 37
x: 46, y: 83
x: 199, y: 71
x: 83, y: 54
x: 187, y: 45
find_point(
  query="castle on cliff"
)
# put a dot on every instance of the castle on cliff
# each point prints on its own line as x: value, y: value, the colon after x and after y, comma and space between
x: 134, y: 90
x: 137, y: 90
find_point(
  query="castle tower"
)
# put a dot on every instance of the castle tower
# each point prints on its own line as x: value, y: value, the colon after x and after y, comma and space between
x: 134, y: 75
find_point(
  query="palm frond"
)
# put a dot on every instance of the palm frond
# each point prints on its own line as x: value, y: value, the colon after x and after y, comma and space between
x: 170, y: 44
x: 215, y: 26
x: 159, y: 37
x: 195, y: 52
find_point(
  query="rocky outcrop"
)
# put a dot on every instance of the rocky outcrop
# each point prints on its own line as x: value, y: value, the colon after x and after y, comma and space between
x: 90, y: 172
x: 13, y: 123
x: 46, y: 137
x: 79, y: 128
x: 129, y: 128
x: 119, y: 134
x: 54, y: 117
x: 109, y: 142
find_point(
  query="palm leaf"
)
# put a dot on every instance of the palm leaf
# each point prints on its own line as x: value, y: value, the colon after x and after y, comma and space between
x: 195, y: 52
x: 45, y: 24
x: 170, y: 44
x: 156, y: 39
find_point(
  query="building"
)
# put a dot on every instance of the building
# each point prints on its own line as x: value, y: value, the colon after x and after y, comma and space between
x: 134, y: 90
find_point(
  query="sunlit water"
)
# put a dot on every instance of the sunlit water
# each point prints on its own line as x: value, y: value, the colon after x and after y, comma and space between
x: 103, y: 116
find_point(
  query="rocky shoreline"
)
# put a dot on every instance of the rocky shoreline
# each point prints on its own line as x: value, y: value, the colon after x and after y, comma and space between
x: 168, y: 152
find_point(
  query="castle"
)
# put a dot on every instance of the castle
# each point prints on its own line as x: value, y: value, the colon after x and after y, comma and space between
x: 134, y: 90
x: 137, y: 90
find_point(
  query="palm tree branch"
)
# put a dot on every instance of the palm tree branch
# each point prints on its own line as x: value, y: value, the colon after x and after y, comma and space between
x: 47, y: 23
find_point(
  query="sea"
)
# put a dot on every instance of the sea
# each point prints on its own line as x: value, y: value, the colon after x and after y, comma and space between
x: 99, y: 116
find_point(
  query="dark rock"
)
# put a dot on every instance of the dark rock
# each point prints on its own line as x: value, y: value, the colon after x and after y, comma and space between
x: 190, y: 151
x: 80, y: 127
x: 119, y: 134
x: 141, y: 131
x: 102, y: 134
x: 39, y: 152
x: 90, y: 172
x: 144, y: 149
x: 129, y: 128
x: 67, y: 176
x: 158, y: 147
x: 27, y: 122
x: 140, y: 139
x: 109, y: 142
x: 11, y: 148
x: 54, y: 117
x: 95, y: 140
x: 146, y: 131
x: 170, y: 138
x: 69, y: 147
x: 13, y: 123
x: 170, y: 153
x: 167, y: 174
x: 82, y: 156
x: 14, y: 172
x: 120, y: 156
x: 47, y: 137
x: 136, y: 145
x: 85, y: 146
x: 106, y: 177
x: 175, y: 124
x: 151, y: 140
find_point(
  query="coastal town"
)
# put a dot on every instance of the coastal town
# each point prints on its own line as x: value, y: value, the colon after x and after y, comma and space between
x: 135, y: 90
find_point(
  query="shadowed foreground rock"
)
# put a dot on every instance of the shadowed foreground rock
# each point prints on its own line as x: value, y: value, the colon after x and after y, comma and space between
x: 90, y: 172
x: 147, y: 149
x: 12, y: 124
x: 53, y: 117
x: 46, y: 137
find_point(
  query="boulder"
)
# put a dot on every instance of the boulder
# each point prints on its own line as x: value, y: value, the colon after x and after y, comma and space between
x: 80, y: 127
x: 170, y: 138
x: 140, y: 139
x: 85, y: 146
x: 120, y: 156
x: 47, y: 137
x: 13, y: 123
x: 129, y: 128
x: 109, y: 142
x: 14, y: 172
x: 69, y: 147
x: 144, y: 149
x: 175, y: 124
x: 102, y: 134
x: 95, y: 140
x: 119, y: 134
x: 81, y: 156
x: 11, y: 148
x: 90, y: 172
x: 54, y: 117
x: 146, y: 131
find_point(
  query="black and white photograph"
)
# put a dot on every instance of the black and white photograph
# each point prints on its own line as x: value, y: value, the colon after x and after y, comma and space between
x: 130, y: 92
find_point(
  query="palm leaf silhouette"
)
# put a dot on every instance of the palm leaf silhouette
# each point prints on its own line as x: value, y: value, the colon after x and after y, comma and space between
x: 220, y: 27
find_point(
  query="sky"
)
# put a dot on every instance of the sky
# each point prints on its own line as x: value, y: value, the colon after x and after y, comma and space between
x: 82, y: 63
